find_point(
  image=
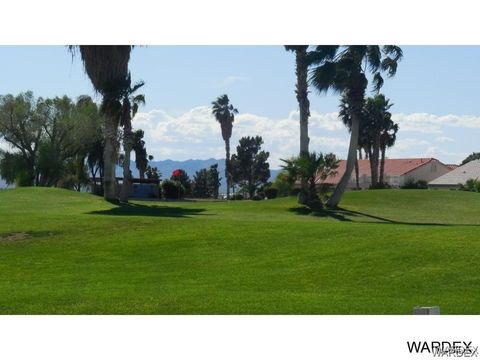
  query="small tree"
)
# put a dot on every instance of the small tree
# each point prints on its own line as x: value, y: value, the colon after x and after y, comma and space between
x: 200, y: 184
x: 249, y: 164
x: 312, y: 167
x: 181, y: 176
x: 472, y: 156
x: 283, y: 183
x: 213, y: 181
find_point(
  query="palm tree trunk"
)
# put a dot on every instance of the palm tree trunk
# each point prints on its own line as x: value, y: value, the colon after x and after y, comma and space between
x: 374, y: 162
x: 304, y: 107
x: 334, y: 200
x: 382, y: 167
x: 127, y: 147
x: 109, y: 159
x: 357, y: 174
x: 227, y: 166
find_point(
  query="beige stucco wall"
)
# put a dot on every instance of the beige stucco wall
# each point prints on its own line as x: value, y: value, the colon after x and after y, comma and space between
x: 427, y: 172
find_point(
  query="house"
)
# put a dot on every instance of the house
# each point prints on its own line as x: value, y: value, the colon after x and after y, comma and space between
x: 397, y: 172
x: 460, y: 175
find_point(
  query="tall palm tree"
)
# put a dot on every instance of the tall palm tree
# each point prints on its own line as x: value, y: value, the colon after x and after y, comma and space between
x: 342, y: 68
x: 107, y: 68
x: 387, y: 140
x: 130, y: 106
x: 224, y: 113
x: 378, y: 121
x: 141, y: 156
x: 345, y: 115
x: 301, y: 71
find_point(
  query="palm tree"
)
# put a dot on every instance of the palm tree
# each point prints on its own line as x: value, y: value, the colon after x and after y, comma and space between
x: 141, y: 156
x: 301, y: 71
x: 378, y: 122
x: 311, y: 166
x: 107, y: 68
x: 345, y: 115
x: 387, y: 140
x: 343, y: 68
x: 224, y: 113
x: 130, y: 106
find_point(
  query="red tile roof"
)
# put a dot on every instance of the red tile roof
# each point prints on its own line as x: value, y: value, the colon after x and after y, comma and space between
x: 393, y: 167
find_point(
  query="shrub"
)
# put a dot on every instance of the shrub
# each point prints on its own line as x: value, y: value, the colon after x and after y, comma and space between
x: 257, y: 197
x: 412, y: 184
x: 283, y: 183
x: 237, y: 196
x: 386, y: 185
x: 67, y: 182
x: 271, y: 193
x: 172, y: 189
x: 422, y: 184
x: 471, y: 185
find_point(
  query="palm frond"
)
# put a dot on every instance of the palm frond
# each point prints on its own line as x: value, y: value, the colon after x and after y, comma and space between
x: 322, y: 54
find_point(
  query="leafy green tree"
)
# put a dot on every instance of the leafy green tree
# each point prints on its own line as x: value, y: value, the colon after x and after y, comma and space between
x: 224, y: 113
x: 22, y: 127
x: 14, y: 169
x: 213, y: 181
x: 182, y: 177
x: 343, y: 69
x: 107, y: 68
x: 200, y: 184
x: 301, y: 91
x: 206, y: 183
x: 250, y: 163
x: 284, y: 183
x: 472, y: 156
x: 311, y: 167
x: 53, y: 135
x: 153, y: 173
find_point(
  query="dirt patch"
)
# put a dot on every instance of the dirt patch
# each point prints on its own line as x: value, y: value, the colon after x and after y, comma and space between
x: 14, y: 236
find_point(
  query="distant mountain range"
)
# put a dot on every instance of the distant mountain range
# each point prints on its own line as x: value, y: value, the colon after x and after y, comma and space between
x: 191, y: 166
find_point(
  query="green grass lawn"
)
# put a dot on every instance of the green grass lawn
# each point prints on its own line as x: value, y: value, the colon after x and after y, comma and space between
x: 63, y: 252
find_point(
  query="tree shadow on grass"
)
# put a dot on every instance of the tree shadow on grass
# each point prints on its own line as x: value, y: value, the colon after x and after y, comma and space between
x: 341, y: 214
x: 132, y: 209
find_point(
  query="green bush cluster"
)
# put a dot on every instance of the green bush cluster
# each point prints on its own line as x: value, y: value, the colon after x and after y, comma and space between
x: 271, y: 193
x: 471, y: 185
x: 413, y: 184
x: 172, y: 189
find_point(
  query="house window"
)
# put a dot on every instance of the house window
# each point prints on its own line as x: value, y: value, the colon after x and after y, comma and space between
x: 433, y: 167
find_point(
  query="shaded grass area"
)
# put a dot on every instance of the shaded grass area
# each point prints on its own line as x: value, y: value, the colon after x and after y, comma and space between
x: 384, y: 252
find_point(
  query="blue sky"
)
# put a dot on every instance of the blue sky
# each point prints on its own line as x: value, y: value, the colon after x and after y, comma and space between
x: 435, y: 94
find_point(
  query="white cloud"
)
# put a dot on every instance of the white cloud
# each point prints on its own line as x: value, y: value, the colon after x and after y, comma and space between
x: 444, y: 139
x: 196, y: 134
x: 409, y: 143
x: 430, y: 123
